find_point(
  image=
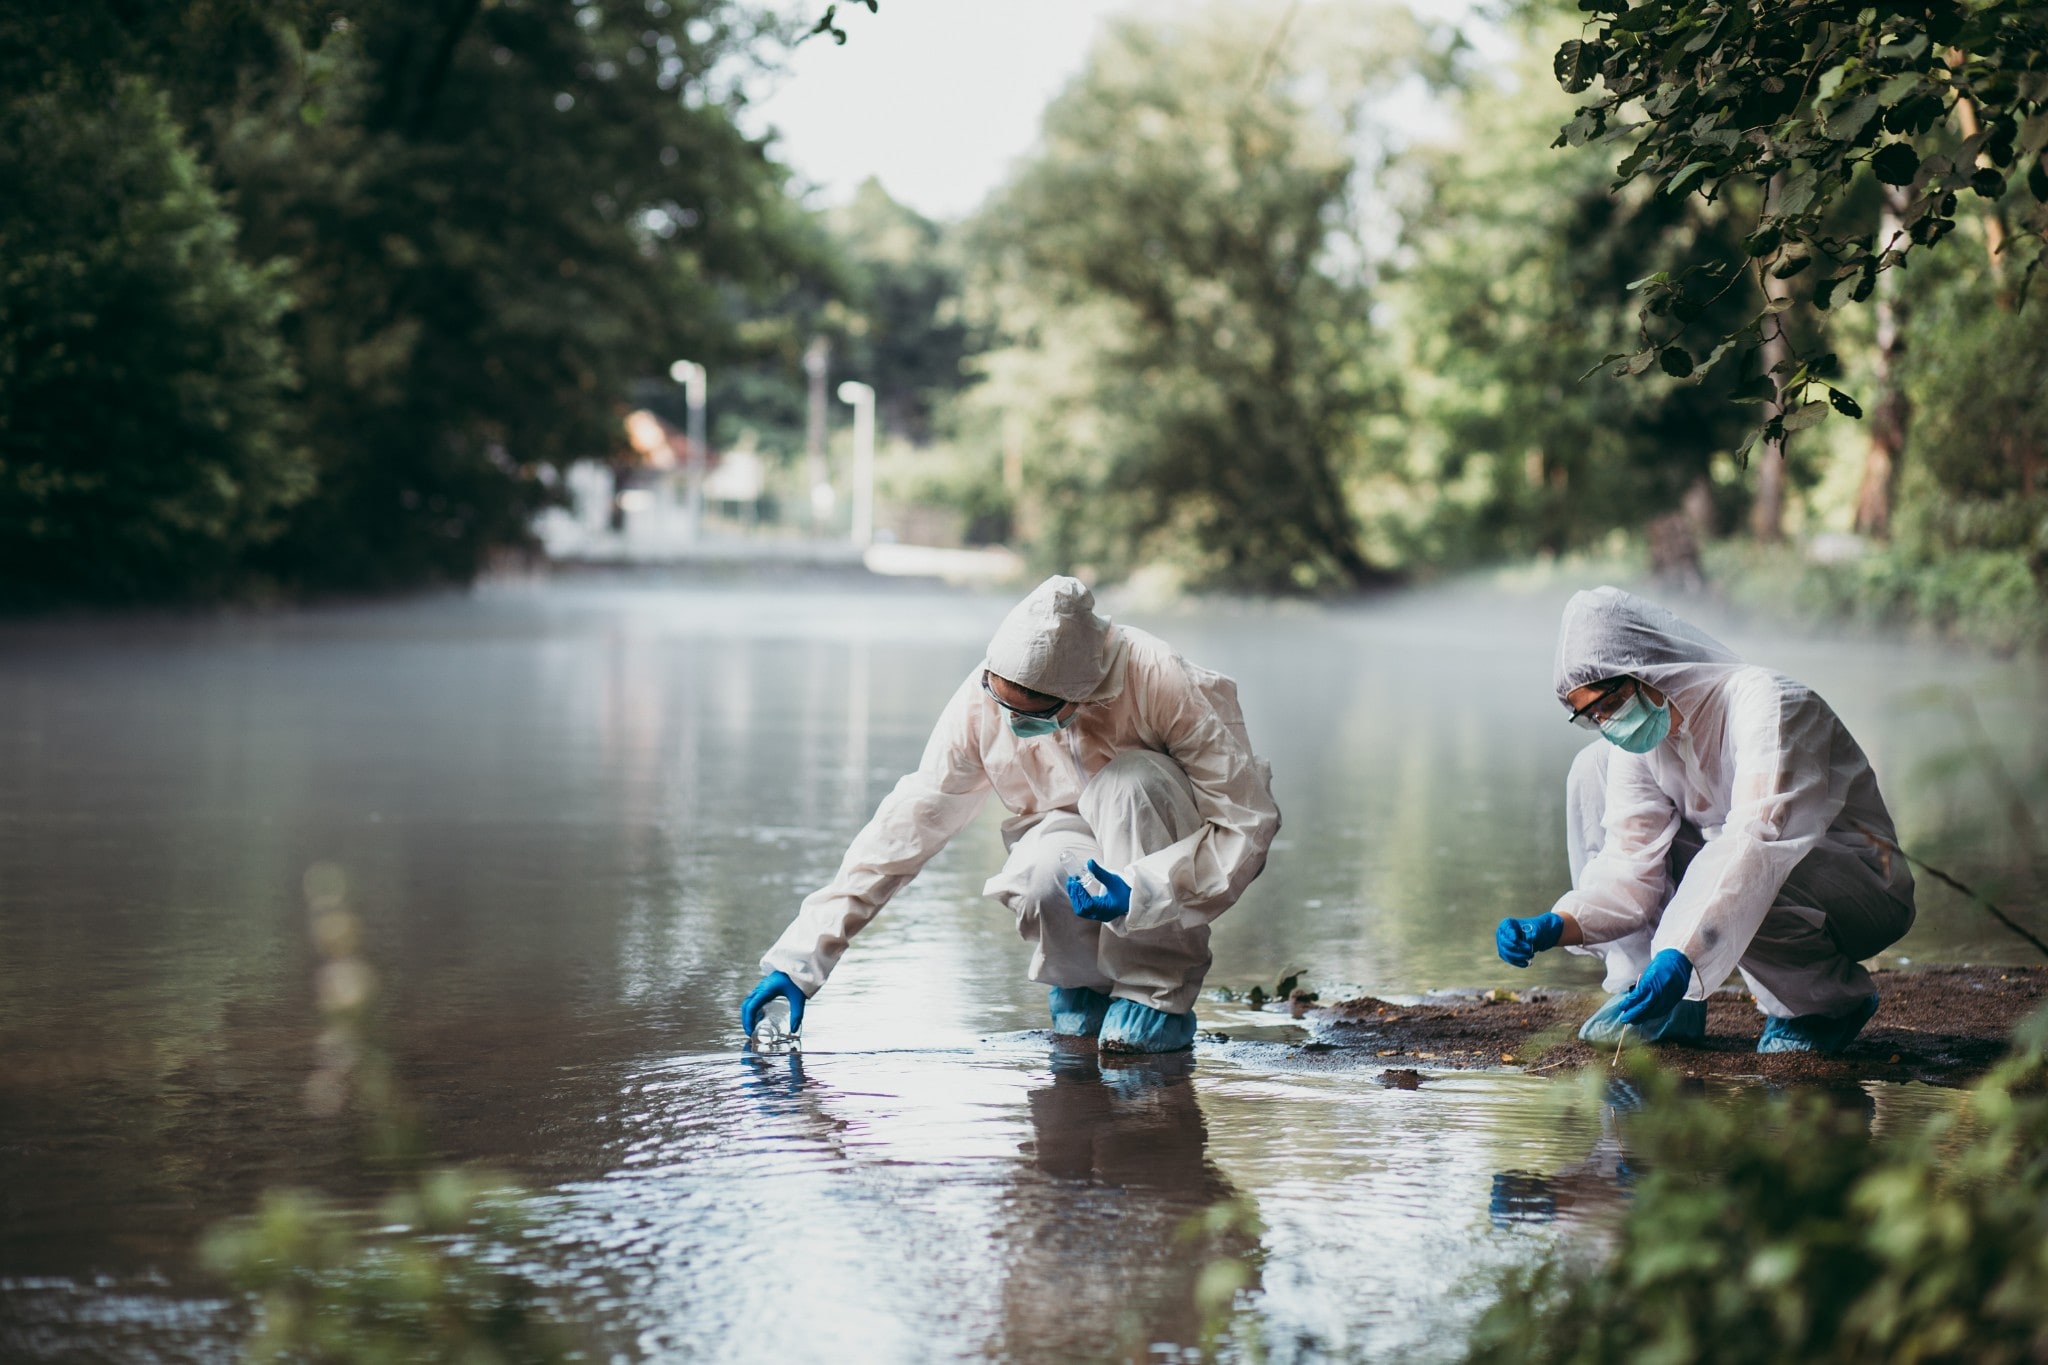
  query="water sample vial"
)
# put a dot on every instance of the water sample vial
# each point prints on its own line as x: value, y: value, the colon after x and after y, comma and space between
x: 1074, y: 865
x: 772, y: 1032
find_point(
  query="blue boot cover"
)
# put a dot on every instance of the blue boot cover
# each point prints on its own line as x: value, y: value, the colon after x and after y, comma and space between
x: 1687, y: 1023
x: 1077, y: 1011
x: 1132, y: 1027
x: 1816, y: 1032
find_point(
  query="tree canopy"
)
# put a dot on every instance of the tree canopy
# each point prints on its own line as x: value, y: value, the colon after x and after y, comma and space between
x: 1799, y: 101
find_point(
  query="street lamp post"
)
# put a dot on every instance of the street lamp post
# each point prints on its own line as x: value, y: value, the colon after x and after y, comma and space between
x: 863, y: 400
x: 693, y: 377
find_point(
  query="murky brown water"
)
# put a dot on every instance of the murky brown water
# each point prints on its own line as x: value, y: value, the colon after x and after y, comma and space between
x: 572, y: 816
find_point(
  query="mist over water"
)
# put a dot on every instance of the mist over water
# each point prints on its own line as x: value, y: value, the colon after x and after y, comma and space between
x: 571, y: 817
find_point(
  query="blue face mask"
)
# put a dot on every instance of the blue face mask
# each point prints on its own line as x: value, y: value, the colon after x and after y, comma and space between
x: 1638, y: 726
x: 1031, y: 727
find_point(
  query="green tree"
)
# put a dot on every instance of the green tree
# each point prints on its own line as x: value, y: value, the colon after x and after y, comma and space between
x: 491, y: 220
x: 144, y: 435
x: 1184, y: 298
x: 1802, y: 102
x: 1515, y: 284
x: 500, y: 217
x: 910, y: 337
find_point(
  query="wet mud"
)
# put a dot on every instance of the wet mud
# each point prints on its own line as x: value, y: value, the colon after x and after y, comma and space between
x: 1938, y: 1025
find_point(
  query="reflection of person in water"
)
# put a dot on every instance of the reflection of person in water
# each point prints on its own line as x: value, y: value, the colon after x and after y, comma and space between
x: 1104, y: 1253
x: 1598, y: 1186
x: 1594, y: 1187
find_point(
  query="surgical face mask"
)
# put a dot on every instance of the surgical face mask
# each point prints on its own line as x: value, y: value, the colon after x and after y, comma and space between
x: 1031, y: 727
x: 1638, y: 726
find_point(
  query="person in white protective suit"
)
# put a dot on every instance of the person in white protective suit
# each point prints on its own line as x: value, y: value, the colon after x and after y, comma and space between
x: 1111, y: 752
x: 1725, y: 820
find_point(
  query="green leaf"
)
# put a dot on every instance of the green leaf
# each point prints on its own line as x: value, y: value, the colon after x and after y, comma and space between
x: 1845, y: 123
x: 1677, y: 185
x: 1805, y: 415
x: 1844, y: 404
x: 1896, y: 163
x: 2037, y: 181
x: 1759, y: 389
x: 1798, y: 196
x: 1763, y: 241
x: 1987, y: 182
x: 1676, y: 361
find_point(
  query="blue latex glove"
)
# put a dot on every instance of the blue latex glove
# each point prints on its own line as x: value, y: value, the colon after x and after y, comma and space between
x: 772, y: 985
x: 1113, y: 903
x: 1658, y: 990
x: 1519, y: 940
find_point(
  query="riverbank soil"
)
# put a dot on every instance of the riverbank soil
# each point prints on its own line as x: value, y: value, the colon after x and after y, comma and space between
x: 1940, y: 1025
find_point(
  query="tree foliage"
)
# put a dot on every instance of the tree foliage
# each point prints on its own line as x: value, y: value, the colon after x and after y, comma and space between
x: 1800, y: 101
x: 1177, y: 271
x: 1513, y: 281
x: 144, y: 435
x: 490, y: 220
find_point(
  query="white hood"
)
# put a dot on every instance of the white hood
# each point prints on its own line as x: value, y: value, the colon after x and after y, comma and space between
x: 1607, y: 633
x: 1054, y: 641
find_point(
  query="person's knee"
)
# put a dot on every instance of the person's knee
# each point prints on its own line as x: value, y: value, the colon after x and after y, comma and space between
x: 1138, y: 779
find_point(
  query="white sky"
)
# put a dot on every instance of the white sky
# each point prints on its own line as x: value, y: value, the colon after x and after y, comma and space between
x: 935, y: 98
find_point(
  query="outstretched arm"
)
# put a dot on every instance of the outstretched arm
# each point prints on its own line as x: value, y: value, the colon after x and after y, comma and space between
x: 915, y: 820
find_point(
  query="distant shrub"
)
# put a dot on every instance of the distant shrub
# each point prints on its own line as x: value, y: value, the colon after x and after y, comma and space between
x: 1779, y: 1229
x: 145, y: 442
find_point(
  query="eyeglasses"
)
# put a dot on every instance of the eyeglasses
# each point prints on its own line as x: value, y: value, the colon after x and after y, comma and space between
x: 1602, y: 707
x: 1056, y: 707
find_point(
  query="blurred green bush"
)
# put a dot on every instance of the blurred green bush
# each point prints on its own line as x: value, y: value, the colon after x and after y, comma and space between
x: 1779, y: 1228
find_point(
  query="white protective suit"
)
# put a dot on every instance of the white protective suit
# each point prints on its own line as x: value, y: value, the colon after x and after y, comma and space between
x: 1753, y: 837
x: 1154, y: 776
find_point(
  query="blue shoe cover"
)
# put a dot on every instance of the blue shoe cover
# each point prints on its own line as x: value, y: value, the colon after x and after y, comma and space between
x: 1816, y: 1032
x: 1132, y: 1027
x: 1687, y: 1023
x: 1077, y: 1011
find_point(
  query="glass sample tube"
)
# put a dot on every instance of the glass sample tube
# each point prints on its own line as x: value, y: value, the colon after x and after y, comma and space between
x: 1074, y: 865
x: 772, y: 1032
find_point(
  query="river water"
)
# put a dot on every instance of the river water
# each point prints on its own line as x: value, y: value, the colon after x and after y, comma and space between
x: 571, y: 815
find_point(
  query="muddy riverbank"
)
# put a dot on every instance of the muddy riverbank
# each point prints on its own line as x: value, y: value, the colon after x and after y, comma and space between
x: 1938, y: 1025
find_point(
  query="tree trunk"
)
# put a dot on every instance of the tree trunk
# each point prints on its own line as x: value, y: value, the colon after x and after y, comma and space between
x: 1767, y: 513
x: 1890, y: 413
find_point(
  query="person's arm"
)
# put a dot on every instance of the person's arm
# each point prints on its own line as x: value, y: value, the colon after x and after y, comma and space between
x: 915, y: 820
x: 1195, y: 716
x: 1780, y: 806
x: 1620, y: 890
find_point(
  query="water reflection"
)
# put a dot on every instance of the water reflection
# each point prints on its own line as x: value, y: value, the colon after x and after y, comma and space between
x: 1102, y: 1256
x: 573, y: 816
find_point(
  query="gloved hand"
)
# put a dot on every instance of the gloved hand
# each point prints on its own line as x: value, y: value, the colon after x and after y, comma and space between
x: 1113, y: 903
x: 1519, y: 940
x: 1658, y: 990
x: 772, y: 985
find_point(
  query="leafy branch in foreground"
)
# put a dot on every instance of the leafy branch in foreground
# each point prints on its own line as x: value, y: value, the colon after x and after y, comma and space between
x: 1782, y: 1229
x: 1795, y: 102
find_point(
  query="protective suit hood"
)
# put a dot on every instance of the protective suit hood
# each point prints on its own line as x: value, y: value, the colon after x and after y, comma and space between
x: 1055, y: 642
x: 1607, y: 633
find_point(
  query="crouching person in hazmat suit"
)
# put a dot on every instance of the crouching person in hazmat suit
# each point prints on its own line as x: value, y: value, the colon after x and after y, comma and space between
x: 1725, y: 819
x: 1112, y: 753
